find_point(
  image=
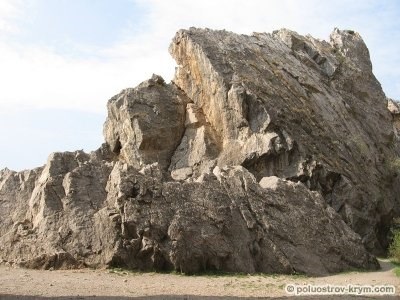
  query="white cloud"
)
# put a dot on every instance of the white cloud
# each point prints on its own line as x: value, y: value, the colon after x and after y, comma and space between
x: 9, y: 9
x: 34, y: 76
x: 377, y: 21
x: 310, y: 16
x: 37, y: 77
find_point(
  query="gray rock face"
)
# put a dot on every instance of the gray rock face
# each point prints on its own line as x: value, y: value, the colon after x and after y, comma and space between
x: 145, y: 124
x: 224, y: 221
x: 298, y: 108
x: 56, y: 209
x: 229, y: 222
x: 268, y: 153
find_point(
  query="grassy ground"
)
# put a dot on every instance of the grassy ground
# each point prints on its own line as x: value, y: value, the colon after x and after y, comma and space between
x: 396, y: 269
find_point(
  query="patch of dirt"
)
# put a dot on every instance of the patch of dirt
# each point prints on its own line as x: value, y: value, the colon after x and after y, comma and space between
x: 17, y: 283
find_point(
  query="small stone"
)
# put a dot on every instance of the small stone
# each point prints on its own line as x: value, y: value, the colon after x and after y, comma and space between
x: 270, y: 182
x: 181, y: 174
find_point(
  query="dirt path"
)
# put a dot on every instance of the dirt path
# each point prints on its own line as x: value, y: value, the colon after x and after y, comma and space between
x: 106, y: 284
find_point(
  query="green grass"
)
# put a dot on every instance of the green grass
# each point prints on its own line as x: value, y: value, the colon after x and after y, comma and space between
x: 118, y: 271
x: 244, y: 275
x: 396, y: 269
x: 209, y: 273
x: 217, y: 274
x: 124, y: 272
x: 394, y: 249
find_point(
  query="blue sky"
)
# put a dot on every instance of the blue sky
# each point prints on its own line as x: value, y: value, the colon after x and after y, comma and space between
x: 61, y: 60
x: 97, y: 23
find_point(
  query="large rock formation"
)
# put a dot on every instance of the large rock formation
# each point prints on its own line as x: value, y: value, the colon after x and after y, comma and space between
x: 299, y: 108
x: 267, y: 153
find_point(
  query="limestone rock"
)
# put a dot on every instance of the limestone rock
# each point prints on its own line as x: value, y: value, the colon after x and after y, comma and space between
x: 295, y: 107
x: 229, y: 224
x: 146, y: 124
x: 393, y: 107
x: 198, y: 148
x: 267, y: 153
x: 57, y: 207
x: 134, y: 219
x: 141, y: 222
x: 15, y: 192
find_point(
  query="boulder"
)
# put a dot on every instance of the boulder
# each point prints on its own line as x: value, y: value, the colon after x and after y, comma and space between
x: 145, y: 124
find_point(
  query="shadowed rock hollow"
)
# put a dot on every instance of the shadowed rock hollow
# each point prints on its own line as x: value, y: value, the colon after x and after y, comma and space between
x: 267, y: 153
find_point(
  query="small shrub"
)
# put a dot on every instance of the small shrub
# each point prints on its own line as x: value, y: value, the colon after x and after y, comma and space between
x: 394, y: 249
x: 397, y: 271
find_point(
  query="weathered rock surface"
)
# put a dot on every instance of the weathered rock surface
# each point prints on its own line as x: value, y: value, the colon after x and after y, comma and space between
x: 224, y: 221
x: 227, y: 221
x: 145, y: 124
x: 55, y: 210
x: 298, y: 108
x: 267, y: 153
